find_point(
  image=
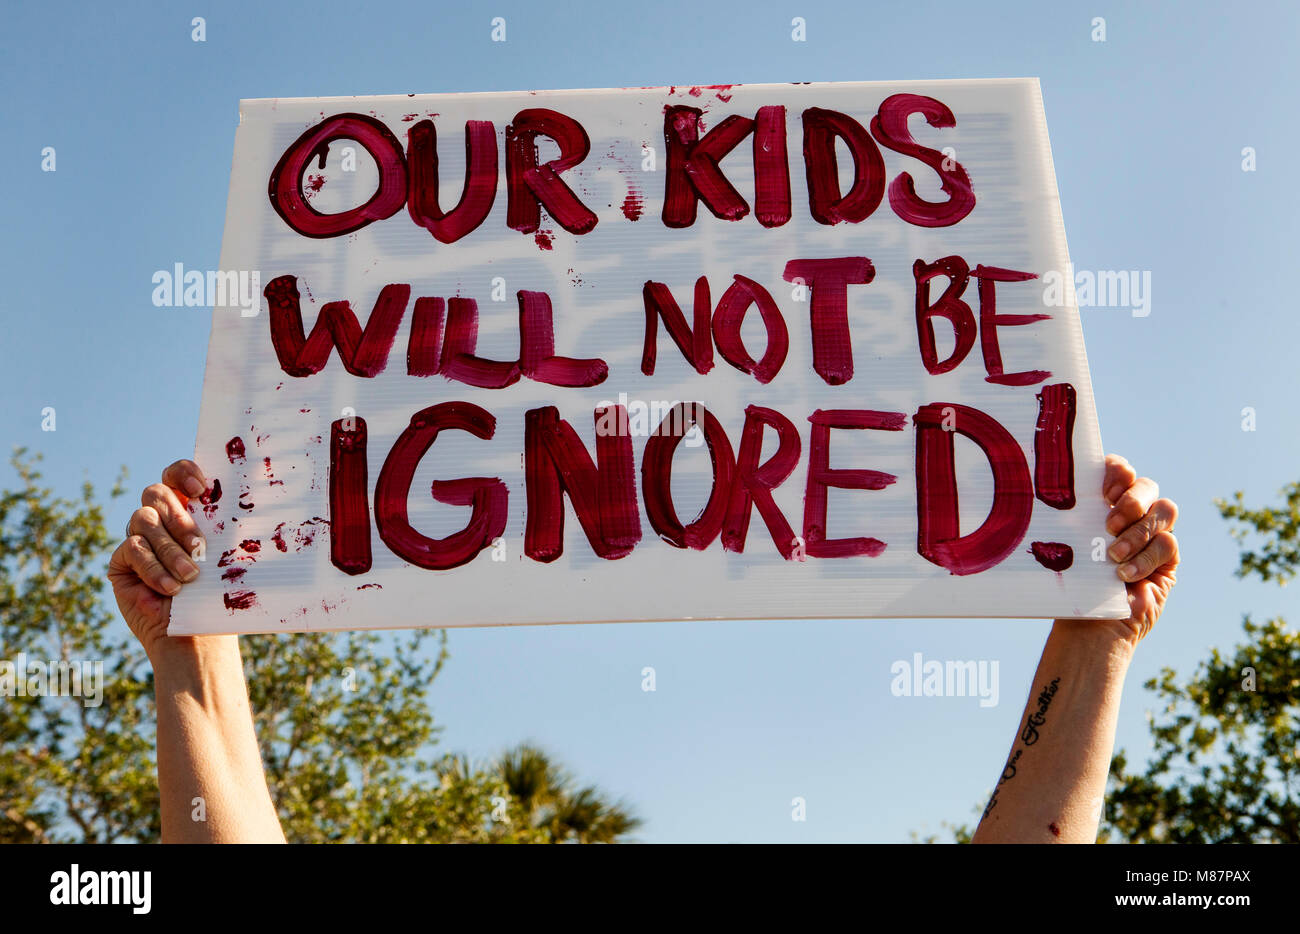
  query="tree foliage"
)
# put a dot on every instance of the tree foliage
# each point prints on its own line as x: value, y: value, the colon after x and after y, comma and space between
x: 342, y: 719
x: 1226, y: 760
x: 1225, y: 767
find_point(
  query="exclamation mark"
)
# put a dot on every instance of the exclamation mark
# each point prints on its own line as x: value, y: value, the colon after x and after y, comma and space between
x: 1054, y: 446
x: 1054, y: 466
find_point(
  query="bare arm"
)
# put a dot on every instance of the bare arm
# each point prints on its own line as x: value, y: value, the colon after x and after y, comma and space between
x: 1052, y: 787
x: 209, y: 765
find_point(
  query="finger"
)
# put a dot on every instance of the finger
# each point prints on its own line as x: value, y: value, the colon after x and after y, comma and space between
x: 176, y: 519
x: 140, y: 558
x: 147, y: 523
x: 1132, y: 505
x: 1160, y: 553
x: 1159, y: 518
x: 1118, y: 478
x: 184, y: 475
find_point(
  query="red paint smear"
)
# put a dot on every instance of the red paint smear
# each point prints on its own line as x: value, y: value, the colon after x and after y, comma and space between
x: 368, y: 586
x: 1055, y: 556
x: 633, y: 206
x: 209, y: 499
x: 230, y: 557
x: 251, y: 545
x: 235, y: 450
x: 278, y: 538
x: 305, y: 534
x: 270, y: 476
x: 261, y: 438
x: 233, y: 574
x: 544, y: 239
x: 240, y: 600
x: 407, y: 118
x: 315, y: 183
x: 244, y: 505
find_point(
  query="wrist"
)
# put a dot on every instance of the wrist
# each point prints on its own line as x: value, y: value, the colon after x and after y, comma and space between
x: 1103, y: 638
x: 190, y: 661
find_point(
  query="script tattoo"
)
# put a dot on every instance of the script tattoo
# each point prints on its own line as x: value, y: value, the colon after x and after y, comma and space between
x: 1028, y: 736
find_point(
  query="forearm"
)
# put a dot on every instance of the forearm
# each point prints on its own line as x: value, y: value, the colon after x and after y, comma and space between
x: 207, y: 748
x: 1053, y: 785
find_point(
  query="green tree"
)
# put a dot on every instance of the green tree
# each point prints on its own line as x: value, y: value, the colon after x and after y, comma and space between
x: 1226, y: 761
x: 1225, y: 767
x: 343, y: 722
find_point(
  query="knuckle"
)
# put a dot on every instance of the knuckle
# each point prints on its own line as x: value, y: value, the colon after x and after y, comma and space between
x: 181, y: 519
x: 1128, y: 504
x: 146, y: 517
x: 153, y: 494
x: 180, y: 467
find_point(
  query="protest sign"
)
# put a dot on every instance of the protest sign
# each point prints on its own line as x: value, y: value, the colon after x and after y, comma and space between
x: 764, y: 351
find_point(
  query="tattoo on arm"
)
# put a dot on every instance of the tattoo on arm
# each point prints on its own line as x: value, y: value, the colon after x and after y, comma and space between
x: 1028, y: 736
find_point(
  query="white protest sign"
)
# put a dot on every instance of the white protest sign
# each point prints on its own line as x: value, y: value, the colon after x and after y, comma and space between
x: 765, y: 351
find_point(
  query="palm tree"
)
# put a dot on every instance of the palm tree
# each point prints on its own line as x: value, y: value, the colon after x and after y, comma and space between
x: 545, y: 795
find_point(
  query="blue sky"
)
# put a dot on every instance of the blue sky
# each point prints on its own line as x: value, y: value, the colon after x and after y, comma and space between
x: 1147, y: 131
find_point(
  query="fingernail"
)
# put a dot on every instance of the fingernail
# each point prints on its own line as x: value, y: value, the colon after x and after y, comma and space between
x: 193, y: 486
x: 170, y: 585
x: 1129, y: 571
x: 187, y: 569
x: 1120, y: 550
